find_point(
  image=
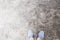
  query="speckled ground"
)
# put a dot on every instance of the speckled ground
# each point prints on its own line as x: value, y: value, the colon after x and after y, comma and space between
x: 18, y: 16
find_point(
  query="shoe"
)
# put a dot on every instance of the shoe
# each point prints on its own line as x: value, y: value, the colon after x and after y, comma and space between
x: 41, y: 34
x: 30, y: 34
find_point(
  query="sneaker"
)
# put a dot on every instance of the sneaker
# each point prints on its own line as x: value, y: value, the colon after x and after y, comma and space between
x: 41, y: 34
x: 30, y: 34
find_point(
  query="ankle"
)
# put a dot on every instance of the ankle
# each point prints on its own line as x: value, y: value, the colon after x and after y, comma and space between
x: 31, y: 38
x: 38, y: 39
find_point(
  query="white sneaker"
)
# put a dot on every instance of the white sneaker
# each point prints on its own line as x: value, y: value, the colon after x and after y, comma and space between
x: 30, y: 34
x: 41, y: 34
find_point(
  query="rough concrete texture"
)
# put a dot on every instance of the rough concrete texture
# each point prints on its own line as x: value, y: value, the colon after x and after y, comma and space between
x: 18, y: 16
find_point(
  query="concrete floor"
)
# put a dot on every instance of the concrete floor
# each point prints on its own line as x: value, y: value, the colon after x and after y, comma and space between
x: 18, y: 16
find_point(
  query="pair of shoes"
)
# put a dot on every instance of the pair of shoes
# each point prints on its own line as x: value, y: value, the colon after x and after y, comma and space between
x: 40, y: 34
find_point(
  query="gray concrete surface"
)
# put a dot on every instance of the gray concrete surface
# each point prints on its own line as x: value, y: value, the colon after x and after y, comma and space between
x: 18, y: 16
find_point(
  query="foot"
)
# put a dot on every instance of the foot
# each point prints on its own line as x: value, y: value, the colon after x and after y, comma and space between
x: 41, y: 34
x: 30, y: 34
